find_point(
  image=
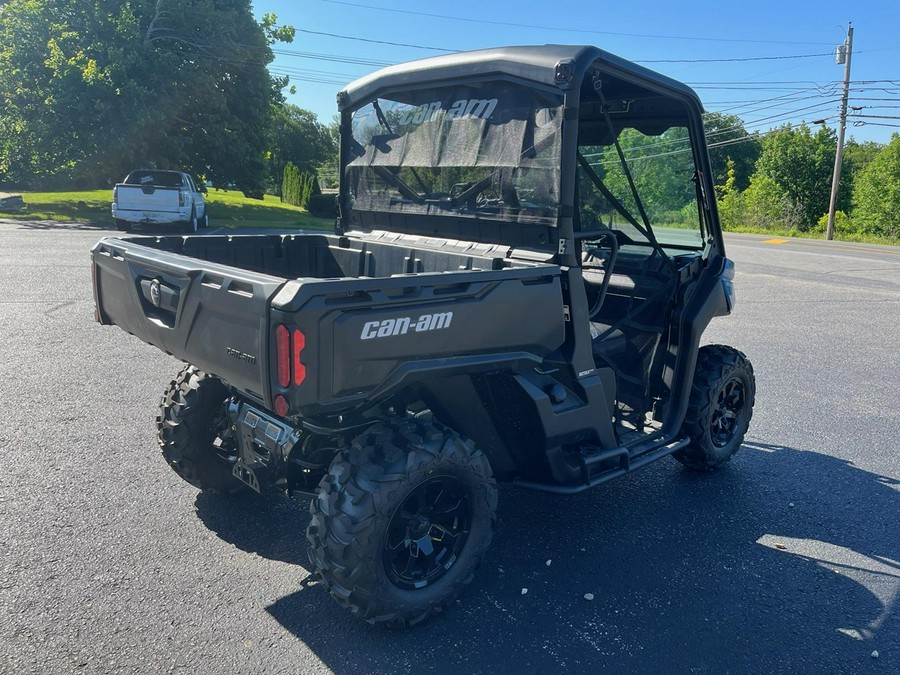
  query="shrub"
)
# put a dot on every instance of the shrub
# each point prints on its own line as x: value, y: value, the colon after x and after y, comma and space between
x: 298, y: 186
x: 842, y: 224
x: 322, y: 206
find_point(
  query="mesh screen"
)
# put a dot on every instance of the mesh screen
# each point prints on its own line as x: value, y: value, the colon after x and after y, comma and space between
x: 488, y: 150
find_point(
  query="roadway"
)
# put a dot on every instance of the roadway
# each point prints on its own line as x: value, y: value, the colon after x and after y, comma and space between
x: 786, y: 561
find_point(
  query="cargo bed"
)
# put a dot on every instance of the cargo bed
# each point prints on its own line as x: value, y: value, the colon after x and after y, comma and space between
x: 374, y: 312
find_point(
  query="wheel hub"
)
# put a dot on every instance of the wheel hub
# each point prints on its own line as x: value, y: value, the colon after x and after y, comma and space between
x: 419, y: 527
x: 427, y: 532
x: 727, y: 411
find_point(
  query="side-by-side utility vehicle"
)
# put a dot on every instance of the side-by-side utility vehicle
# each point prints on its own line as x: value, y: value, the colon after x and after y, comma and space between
x: 526, y: 255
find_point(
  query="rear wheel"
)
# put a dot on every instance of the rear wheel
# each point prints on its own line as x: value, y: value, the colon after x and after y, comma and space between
x: 720, y: 408
x: 194, y: 432
x: 123, y: 225
x: 193, y: 223
x: 402, y: 520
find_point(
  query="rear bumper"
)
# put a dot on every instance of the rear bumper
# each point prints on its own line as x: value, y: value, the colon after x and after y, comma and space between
x: 154, y: 217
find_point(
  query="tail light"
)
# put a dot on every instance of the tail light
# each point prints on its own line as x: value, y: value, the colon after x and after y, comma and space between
x: 181, y: 197
x: 283, y: 355
x: 288, y: 356
x: 299, y: 368
x: 116, y: 195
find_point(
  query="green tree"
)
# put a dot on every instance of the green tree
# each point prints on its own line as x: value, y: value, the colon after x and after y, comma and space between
x: 721, y: 128
x: 857, y: 157
x: 92, y: 88
x: 298, y: 137
x: 764, y: 205
x: 298, y: 186
x: 768, y: 206
x: 801, y: 164
x: 876, y: 193
x: 661, y: 166
x: 730, y: 201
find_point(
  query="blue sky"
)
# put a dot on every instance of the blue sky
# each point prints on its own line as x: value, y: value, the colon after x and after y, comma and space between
x: 675, y: 38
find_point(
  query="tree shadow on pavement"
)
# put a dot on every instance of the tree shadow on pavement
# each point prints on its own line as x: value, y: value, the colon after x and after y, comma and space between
x: 63, y: 225
x: 784, y: 561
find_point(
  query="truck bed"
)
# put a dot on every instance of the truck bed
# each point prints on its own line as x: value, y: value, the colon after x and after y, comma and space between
x: 375, y: 312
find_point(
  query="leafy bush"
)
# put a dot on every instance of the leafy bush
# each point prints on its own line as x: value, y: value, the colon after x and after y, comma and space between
x: 764, y: 205
x: 322, y: 206
x: 842, y: 224
x: 769, y: 207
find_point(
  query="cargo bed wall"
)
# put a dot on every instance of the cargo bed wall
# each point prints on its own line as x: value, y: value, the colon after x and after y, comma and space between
x: 210, y: 315
x: 330, y: 257
x: 365, y: 338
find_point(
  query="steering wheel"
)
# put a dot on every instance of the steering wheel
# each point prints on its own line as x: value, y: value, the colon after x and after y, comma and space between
x: 458, y: 189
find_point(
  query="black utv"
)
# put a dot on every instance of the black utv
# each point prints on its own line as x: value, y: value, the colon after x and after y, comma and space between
x: 526, y: 256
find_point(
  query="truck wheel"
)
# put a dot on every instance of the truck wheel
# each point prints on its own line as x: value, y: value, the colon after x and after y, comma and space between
x: 192, y: 223
x: 194, y: 432
x: 402, y: 520
x: 719, y: 409
x: 204, y: 222
x: 123, y: 225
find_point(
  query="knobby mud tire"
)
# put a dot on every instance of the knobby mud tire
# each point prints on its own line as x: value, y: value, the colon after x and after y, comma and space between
x: 718, y: 367
x: 190, y: 411
x: 362, y: 492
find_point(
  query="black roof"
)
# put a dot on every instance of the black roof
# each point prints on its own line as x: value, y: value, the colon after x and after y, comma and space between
x: 535, y: 63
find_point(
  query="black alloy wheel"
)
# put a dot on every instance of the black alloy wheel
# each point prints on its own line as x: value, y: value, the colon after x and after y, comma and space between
x: 727, y: 411
x: 427, y: 533
x: 719, y: 408
x: 401, y: 521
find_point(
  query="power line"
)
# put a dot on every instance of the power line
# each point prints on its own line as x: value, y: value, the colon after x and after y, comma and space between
x: 750, y: 88
x: 756, y: 82
x: 861, y: 123
x: 793, y: 112
x: 747, y: 58
x: 334, y: 58
x: 780, y: 103
x: 444, y: 49
x: 631, y: 153
x: 878, y: 117
x: 378, y: 42
x: 563, y: 30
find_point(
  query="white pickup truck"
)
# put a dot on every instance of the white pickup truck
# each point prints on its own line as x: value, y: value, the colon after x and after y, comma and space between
x: 151, y: 196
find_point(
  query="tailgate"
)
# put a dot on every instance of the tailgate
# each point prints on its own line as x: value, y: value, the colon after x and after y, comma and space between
x: 212, y: 316
x: 148, y: 198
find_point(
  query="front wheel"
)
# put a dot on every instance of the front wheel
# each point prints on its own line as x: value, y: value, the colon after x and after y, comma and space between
x: 194, y: 432
x: 402, y: 520
x: 719, y: 408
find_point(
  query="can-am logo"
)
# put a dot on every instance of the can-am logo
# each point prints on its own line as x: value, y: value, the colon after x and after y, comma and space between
x: 481, y: 108
x: 406, y: 324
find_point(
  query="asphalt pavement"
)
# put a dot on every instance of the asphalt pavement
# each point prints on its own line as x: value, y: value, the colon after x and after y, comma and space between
x: 788, y: 560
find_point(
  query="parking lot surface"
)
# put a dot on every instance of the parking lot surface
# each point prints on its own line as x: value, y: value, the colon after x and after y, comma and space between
x: 788, y: 560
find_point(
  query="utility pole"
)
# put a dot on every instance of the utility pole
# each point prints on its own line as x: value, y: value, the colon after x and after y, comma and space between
x: 844, y: 52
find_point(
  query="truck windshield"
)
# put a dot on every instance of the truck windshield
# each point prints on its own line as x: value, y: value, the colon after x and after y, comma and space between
x: 484, y: 150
